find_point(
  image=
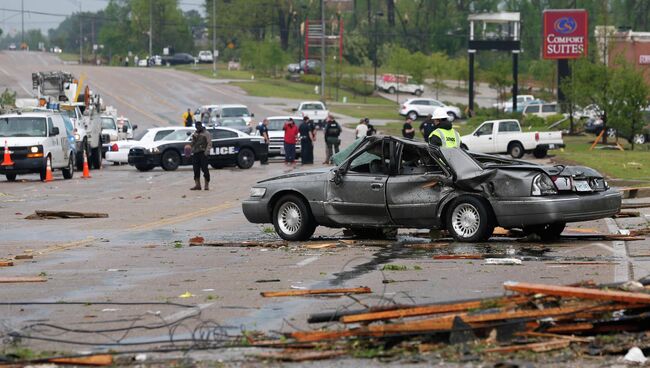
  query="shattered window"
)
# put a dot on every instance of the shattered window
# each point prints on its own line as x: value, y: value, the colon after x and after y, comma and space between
x: 370, y: 161
x: 417, y: 160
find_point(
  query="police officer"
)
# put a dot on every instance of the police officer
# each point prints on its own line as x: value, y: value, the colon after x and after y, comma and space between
x: 444, y: 135
x: 201, y: 146
x: 427, y: 127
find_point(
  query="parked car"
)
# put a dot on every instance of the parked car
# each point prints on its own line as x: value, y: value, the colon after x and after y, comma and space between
x: 276, y: 134
x: 390, y: 182
x: 521, y: 100
x: 234, y: 123
x: 144, y: 62
x: 178, y: 59
x: 12, y: 46
x: 416, y: 107
x: 118, y: 151
x: 541, y: 110
x: 392, y: 83
x: 305, y: 66
x: 505, y: 136
x: 522, y: 106
x: 205, y: 56
x: 230, y: 111
x: 229, y: 147
x: 315, y: 110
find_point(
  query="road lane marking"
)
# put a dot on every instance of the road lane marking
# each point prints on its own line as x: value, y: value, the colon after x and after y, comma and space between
x: 65, y: 246
x: 181, y: 218
x: 307, y: 261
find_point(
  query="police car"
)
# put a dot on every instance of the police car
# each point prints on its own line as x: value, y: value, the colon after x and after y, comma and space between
x: 230, y: 147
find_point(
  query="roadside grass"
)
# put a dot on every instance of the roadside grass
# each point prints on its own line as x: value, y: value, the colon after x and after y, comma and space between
x: 66, y: 56
x: 628, y: 165
x: 364, y: 110
x: 205, y: 70
x: 282, y: 88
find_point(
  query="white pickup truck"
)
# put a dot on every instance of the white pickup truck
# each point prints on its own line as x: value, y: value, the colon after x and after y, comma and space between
x: 316, y: 110
x: 505, y: 136
x: 392, y: 83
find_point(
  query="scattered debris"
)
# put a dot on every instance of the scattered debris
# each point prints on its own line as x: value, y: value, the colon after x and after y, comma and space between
x: 537, y: 347
x: 635, y: 355
x: 503, y: 261
x: 294, y: 355
x: 267, y: 280
x: 458, y: 256
x: 23, y: 256
x: 389, y: 281
x: 197, y: 240
x: 10, y: 279
x: 624, y: 214
x: 359, y: 290
x: 317, y: 245
x: 43, y: 215
x: 186, y: 294
x: 94, y: 360
x: 6, y: 263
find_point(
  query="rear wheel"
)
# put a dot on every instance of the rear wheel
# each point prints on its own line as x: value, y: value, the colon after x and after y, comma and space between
x: 468, y: 220
x: 144, y: 167
x: 451, y: 116
x: 245, y: 158
x: 68, y: 171
x: 412, y: 115
x: 391, y: 90
x: 292, y: 219
x: 516, y: 150
x: 170, y: 160
x: 546, y: 232
x: 639, y: 139
x: 418, y: 92
x: 11, y: 177
x: 540, y: 152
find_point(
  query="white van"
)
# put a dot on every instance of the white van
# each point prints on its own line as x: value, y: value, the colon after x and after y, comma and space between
x: 34, y: 139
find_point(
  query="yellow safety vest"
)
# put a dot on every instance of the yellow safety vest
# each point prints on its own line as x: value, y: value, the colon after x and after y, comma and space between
x: 449, y: 137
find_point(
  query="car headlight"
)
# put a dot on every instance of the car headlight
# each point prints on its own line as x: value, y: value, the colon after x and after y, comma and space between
x: 34, y: 149
x: 543, y: 185
x: 258, y: 192
x: 153, y: 150
x: 77, y: 137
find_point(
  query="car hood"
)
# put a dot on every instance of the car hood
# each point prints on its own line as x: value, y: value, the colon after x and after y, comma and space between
x: 307, y: 175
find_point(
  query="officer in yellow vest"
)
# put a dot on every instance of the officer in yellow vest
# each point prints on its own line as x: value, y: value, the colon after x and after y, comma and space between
x: 444, y: 135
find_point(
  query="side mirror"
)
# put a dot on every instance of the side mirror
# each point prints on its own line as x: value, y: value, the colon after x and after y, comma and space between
x: 336, y: 177
x: 252, y: 115
x: 294, y: 109
x: 54, y: 132
x: 135, y: 126
x: 125, y: 128
x: 477, y: 133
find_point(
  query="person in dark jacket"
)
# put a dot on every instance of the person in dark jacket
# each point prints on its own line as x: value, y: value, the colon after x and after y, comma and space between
x: 201, y: 145
x: 332, y: 132
x: 371, y: 128
x: 407, y: 129
x: 427, y: 127
x: 307, y: 132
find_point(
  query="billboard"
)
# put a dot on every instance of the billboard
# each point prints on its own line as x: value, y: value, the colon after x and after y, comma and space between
x: 566, y: 34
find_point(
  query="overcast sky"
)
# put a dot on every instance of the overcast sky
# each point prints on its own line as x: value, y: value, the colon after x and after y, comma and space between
x: 10, y: 20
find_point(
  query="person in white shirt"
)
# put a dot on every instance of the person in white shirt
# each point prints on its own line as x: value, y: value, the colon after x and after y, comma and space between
x: 361, y: 130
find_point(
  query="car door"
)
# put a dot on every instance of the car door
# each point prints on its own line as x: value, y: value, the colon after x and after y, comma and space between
x: 483, y: 140
x: 360, y: 197
x: 225, y: 147
x: 413, y: 193
x: 56, y: 145
x: 504, y: 134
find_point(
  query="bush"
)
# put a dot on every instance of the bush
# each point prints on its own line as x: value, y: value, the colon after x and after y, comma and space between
x: 533, y: 121
x: 554, y: 119
x: 357, y: 86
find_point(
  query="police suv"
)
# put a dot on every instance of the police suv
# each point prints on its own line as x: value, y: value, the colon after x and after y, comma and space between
x: 35, y: 139
x: 230, y: 147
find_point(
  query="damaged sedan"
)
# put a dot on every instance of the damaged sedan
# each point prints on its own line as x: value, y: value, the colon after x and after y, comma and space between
x: 385, y: 182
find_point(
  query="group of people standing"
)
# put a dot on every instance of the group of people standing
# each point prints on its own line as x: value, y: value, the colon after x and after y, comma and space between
x: 307, y: 133
x: 436, y: 129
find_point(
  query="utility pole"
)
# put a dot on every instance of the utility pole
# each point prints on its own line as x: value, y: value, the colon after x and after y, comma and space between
x: 81, y: 38
x: 322, y: 50
x: 22, y: 14
x: 214, y: 37
x: 150, y: 28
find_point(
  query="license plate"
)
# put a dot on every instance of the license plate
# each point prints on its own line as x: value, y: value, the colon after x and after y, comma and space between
x: 582, y: 186
x: 551, y: 146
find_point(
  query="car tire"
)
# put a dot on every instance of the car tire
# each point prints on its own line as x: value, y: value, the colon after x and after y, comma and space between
x: 10, y: 177
x: 611, y: 133
x: 468, y: 220
x: 170, y: 160
x: 451, y: 116
x: 546, y: 232
x: 144, y: 168
x: 412, y: 115
x: 391, y: 90
x: 638, y: 139
x: 292, y: 219
x: 516, y: 150
x: 464, y: 146
x: 540, y: 152
x: 418, y: 92
x: 43, y: 172
x: 96, y: 158
x: 245, y: 158
x: 68, y: 171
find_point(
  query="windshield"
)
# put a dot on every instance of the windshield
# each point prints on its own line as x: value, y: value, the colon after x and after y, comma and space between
x: 179, y: 135
x: 276, y: 124
x: 232, y: 122
x: 229, y: 112
x: 312, y: 107
x: 108, y: 123
x: 23, y: 127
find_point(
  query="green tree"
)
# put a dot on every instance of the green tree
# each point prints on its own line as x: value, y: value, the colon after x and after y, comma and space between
x: 499, y: 77
x: 265, y: 57
x: 8, y: 98
x: 631, y: 95
x: 402, y: 60
x: 439, y: 67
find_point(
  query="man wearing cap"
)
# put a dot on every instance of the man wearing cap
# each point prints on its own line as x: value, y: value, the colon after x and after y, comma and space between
x: 444, y: 135
x: 201, y: 145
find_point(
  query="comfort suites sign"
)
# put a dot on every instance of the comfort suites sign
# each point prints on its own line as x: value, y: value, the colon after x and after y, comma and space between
x: 565, y: 34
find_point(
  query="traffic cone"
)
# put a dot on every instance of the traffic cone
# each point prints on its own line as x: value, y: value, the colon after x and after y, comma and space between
x: 7, y: 159
x: 48, y: 172
x: 86, y: 174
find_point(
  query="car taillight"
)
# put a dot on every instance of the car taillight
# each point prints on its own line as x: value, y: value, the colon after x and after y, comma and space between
x: 537, y: 136
x: 114, y: 147
x: 403, y: 107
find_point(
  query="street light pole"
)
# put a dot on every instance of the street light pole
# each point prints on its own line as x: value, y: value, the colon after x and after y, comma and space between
x: 322, y: 50
x: 377, y: 15
x: 214, y: 37
x: 81, y: 37
x: 150, y: 28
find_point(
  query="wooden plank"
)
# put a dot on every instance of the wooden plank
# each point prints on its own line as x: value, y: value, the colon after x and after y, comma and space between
x: 40, y: 214
x: 624, y: 214
x: 430, y: 309
x: 10, y: 279
x: 6, y: 263
x: 359, y: 290
x: 300, y: 356
x: 23, y: 256
x: 570, y: 328
x: 93, y: 360
x: 578, y: 292
x: 555, y: 336
x: 537, y: 347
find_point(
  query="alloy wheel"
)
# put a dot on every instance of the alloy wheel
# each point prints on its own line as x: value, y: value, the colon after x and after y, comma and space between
x: 466, y: 220
x: 289, y: 218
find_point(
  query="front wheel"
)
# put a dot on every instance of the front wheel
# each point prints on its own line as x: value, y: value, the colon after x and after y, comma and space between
x: 451, y: 116
x: 10, y: 177
x: 468, y: 220
x: 171, y: 160
x: 292, y: 219
x: 639, y: 139
x: 516, y: 150
x: 68, y: 172
x: 418, y: 92
x: 245, y: 158
x: 412, y: 115
x: 540, y: 152
x: 546, y: 232
x: 391, y: 90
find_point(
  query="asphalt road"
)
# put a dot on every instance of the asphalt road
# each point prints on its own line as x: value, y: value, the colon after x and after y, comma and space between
x: 140, y: 253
